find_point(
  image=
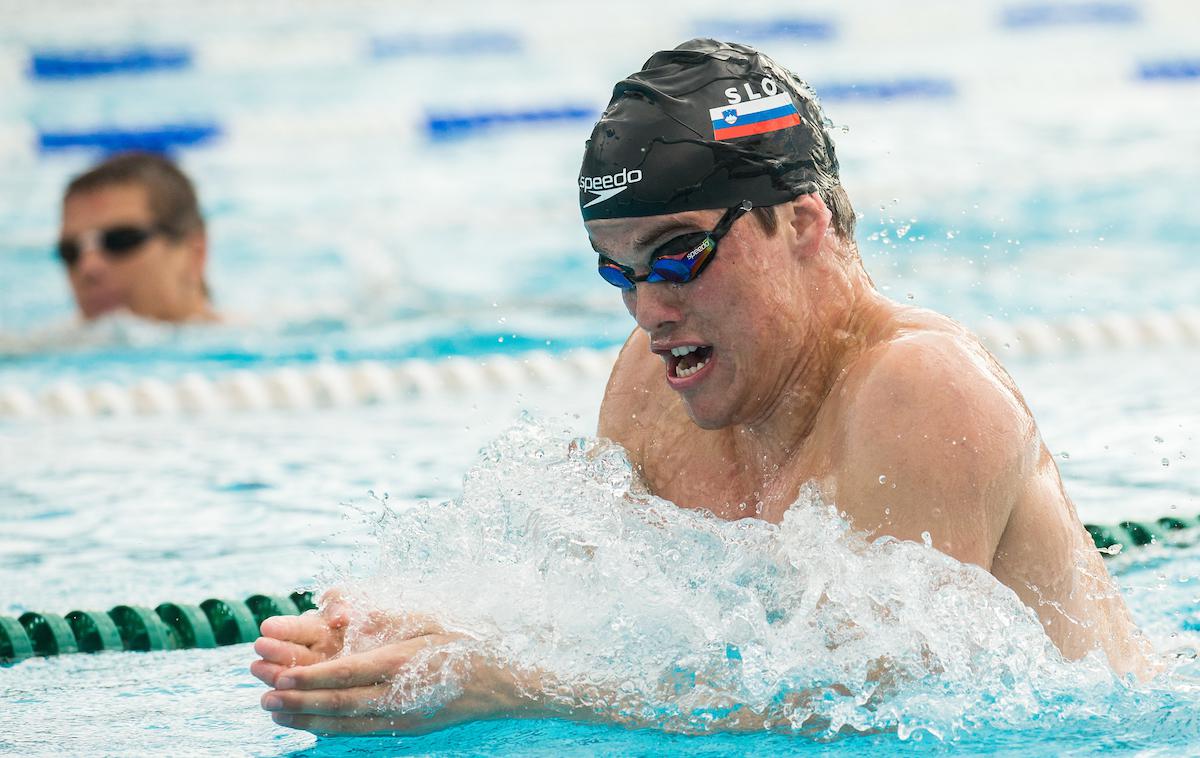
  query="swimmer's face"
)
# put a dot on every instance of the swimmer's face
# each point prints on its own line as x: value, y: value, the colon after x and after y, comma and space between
x: 160, y: 278
x: 732, y: 339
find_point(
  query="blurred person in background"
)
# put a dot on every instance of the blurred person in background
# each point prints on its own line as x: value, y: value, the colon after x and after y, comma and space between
x: 133, y: 239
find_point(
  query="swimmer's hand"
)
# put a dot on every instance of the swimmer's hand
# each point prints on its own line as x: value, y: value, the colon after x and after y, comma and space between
x: 351, y: 694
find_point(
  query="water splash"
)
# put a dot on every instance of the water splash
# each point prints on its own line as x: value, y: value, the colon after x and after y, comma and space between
x: 556, y: 559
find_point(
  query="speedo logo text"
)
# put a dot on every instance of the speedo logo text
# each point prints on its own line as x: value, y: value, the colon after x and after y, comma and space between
x: 608, y: 185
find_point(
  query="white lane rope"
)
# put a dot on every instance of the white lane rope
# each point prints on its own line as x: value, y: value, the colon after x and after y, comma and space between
x: 369, y: 382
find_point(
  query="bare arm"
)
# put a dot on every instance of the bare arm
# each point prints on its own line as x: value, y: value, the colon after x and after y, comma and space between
x: 940, y: 442
x: 318, y: 690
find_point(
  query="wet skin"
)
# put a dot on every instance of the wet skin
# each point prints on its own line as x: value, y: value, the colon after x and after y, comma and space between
x: 899, y: 415
x: 160, y: 280
x: 810, y: 375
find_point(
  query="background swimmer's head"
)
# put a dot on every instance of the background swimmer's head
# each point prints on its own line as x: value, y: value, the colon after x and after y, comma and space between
x: 708, y: 125
x: 161, y: 275
x: 171, y: 194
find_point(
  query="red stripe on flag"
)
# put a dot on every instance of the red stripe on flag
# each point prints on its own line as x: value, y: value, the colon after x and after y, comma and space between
x: 783, y: 122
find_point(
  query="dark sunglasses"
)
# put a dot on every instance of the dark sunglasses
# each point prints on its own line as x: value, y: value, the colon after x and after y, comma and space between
x: 680, y: 260
x: 115, y: 242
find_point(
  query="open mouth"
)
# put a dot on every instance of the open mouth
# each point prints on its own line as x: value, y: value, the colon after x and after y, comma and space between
x: 687, y: 360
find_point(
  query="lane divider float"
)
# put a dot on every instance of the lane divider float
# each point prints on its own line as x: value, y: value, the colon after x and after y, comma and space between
x: 217, y: 622
x: 760, y: 30
x: 1056, y: 14
x: 323, y: 386
x: 887, y: 89
x: 60, y: 63
x: 159, y: 138
x: 459, y: 124
x: 1111, y: 539
x: 468, y: 42
x: 1178, y: 69
x: 169, y: 626
x: 338, y: 385
x: 20, y: 141
x: 86, y: 63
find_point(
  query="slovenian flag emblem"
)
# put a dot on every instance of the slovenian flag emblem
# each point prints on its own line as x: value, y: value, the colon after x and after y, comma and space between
x: 767, y: 114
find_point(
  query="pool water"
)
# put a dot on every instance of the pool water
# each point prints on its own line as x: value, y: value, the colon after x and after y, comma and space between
x: 1008, y: 160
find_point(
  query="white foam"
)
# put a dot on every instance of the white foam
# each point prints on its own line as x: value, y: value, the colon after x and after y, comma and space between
x: 632, y: 604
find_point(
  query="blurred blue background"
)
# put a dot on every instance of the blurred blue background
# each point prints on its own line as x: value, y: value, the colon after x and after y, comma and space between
x: 383, y: 182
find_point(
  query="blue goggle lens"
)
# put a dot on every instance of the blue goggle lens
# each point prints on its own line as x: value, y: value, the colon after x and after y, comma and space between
x: 694, y: 252
x: 615, y: 276
x: 672, y: 270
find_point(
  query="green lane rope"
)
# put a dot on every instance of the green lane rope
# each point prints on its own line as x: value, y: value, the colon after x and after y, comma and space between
x: 1137, y: 533
x: 222, y: 621
x: 170, y: 626
x: 49, y: 634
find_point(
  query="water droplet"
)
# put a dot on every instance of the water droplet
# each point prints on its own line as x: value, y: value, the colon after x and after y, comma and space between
x: 1158, y: 439
x: 910, y: 296
x: 1065, y: 455
x: 1166, y: 462
x: 882, y: 479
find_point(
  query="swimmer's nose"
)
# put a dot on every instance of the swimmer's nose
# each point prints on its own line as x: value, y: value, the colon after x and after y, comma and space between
x: 92, y: 263
x: 654, y: 305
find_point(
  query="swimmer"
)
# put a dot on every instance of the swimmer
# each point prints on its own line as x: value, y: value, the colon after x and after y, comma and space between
x: 763, y: 359
x: 133, y: 239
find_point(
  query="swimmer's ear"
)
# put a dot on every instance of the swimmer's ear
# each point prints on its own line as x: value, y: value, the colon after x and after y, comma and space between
x: 807, y: 219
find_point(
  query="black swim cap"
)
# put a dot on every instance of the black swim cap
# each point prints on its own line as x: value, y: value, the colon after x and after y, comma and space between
x: 706, y: 125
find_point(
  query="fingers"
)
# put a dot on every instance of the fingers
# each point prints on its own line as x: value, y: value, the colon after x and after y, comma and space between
x: 353, y: 701
x: 306, y: 629
x: 286, y: 653
x: 358, y: 670
x: 266, y: 672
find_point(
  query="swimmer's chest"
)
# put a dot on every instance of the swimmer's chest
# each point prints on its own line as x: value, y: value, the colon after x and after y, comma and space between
x: 696, y: 469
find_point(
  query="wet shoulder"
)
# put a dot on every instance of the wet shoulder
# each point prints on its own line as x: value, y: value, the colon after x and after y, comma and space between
x: 929, y: 389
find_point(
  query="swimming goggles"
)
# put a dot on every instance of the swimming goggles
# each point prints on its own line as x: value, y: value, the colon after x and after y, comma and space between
x: 115, y: 242
x: 680, y: 260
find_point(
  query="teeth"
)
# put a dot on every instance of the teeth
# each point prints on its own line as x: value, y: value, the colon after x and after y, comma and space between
x: 679, y: 352
x: 681, y: 373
